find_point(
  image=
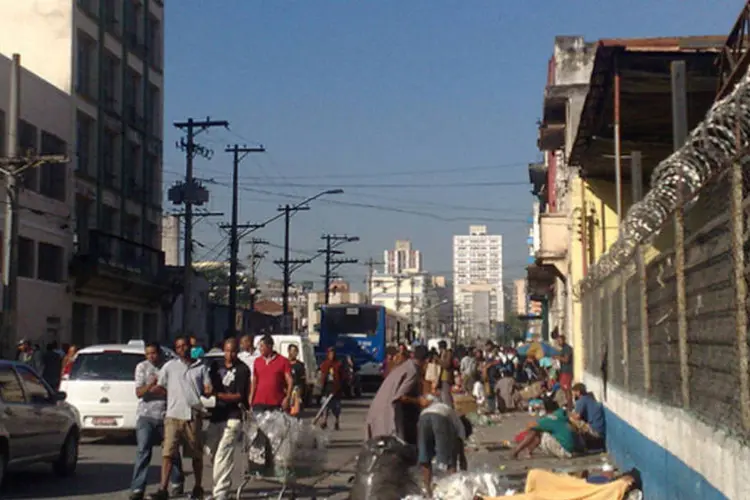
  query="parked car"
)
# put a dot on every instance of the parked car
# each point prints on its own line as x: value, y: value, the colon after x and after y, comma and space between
x: 36, y: 424
x: 101, y: 386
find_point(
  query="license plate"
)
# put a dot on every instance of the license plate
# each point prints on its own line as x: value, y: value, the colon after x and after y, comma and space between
x: 104, y: 421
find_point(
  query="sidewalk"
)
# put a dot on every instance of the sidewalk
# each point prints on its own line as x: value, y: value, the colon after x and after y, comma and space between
x: 491, y: 455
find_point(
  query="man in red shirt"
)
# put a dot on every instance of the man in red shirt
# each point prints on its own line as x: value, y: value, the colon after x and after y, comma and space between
x: 271, y: 387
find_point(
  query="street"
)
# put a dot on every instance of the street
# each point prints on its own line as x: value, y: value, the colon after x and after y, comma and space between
x: 105, y: 468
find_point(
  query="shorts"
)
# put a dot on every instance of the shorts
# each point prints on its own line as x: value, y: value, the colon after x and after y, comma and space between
x: 552, y: 446
x: 437, y: 439
x: 185, y: 433
x: 566, y: 381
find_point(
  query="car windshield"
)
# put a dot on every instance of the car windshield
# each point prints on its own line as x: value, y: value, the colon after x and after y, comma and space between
x: 115, y: 366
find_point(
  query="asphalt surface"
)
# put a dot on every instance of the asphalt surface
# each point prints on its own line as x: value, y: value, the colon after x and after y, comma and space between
x: 106, y: 466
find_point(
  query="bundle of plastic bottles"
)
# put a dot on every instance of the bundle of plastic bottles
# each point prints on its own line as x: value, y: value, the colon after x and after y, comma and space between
x: 288, y: 445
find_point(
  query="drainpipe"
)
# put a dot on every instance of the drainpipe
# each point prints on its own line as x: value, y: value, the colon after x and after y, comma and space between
x: 618, y: 145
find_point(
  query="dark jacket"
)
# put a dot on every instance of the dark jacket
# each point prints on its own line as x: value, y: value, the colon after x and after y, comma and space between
x: 335, y: 368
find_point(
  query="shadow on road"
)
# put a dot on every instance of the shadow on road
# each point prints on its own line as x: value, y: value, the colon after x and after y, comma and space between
x: 320, y: 492
x: 91, y: 478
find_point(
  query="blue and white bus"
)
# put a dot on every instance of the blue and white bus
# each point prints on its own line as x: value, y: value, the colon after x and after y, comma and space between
x: 361, y: 331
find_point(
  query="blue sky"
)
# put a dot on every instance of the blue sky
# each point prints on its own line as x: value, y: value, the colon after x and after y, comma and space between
x: 424, y: 111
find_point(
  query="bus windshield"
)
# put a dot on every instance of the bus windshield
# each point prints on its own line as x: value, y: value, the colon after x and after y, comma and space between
x: 349, y: 320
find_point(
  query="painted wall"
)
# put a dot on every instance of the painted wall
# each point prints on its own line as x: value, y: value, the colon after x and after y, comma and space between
x: 678, y: 456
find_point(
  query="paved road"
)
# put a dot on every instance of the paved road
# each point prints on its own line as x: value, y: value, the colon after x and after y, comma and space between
x: 105, y: 468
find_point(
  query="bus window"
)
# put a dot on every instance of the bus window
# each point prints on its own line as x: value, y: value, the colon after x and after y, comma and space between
x: 350, y: 320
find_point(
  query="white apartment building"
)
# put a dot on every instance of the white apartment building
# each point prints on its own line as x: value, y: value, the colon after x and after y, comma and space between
x: 402, y: 259
x: 45, y: 218
x: 478, y: 282
x: 411, y: 295
x: 107, y: 56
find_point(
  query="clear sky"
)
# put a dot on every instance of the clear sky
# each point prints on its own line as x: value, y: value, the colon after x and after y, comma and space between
x: 423, y: 111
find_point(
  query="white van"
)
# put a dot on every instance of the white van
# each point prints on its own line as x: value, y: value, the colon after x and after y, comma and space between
x: 433, y: 343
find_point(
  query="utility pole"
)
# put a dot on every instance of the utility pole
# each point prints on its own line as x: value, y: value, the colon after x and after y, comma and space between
x: 333, y: 241
x: 255, y: 258
x: 191, y: 193
x: 371, y: 263
x: 238, y: 154
x: 411, y: 300
x: 287, y: 262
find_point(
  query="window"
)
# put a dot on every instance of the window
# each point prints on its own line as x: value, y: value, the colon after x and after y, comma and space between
x: 151, y: 182
x: 86, y: 64
x: 27, y: 146
x: 109, y: 215
x: 36, y: 390
x: 111, y: 18
x: 84, y: 133
x: 109, y: 75
x: 26, y: 254
x: 53, y: 175
x: 10, y: 387
x: 133, y: 28
x: 133, y: 171
x: 87, y: 6
x: 153, y: 41
x: 133, y: 84
x: 154, y: 110
x: 51, y: 263
x: 149, y: 237
x: 83, y: 223
x: 110, y: 366
x: 109, y: 158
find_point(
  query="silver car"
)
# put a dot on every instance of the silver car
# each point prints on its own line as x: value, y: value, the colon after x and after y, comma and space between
x: 36, y: 424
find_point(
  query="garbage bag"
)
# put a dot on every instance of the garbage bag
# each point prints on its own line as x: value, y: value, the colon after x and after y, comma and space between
x: 382, y: 471
x: 285, y: 444
x: 469, y: 485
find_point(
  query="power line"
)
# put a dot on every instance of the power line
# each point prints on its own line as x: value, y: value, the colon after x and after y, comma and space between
x: 422, y: 185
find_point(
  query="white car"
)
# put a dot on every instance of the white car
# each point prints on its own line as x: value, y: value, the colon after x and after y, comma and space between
x: 101, y: 386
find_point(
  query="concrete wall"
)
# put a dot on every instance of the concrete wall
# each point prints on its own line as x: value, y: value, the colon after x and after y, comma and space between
x: 678, y: 456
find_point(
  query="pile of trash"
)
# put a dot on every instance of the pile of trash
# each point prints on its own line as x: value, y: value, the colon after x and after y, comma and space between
x: 285, y: 445
x: 386, y: 471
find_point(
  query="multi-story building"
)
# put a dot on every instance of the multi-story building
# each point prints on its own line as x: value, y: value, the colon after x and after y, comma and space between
x: 107, y: 55
x: 402, y: 259
x: 411, y: 295
x: 519, y: 298
x: 478, y: 281
x: 45, y: 227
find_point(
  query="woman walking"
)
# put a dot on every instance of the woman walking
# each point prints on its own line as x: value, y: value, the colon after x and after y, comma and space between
x: 331, y: 373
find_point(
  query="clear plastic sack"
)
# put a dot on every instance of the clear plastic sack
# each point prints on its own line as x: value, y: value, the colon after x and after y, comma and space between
x: 468, y: 485
x: 384, y: 471
x: 285, y: 444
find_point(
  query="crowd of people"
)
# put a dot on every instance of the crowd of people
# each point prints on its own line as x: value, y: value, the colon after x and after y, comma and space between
x: 416, y: 400
x: 51, y: 364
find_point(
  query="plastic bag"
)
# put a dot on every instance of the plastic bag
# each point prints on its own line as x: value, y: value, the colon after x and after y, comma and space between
x: 468, y: 485
x: 285, y: 444
x: 382, y: 471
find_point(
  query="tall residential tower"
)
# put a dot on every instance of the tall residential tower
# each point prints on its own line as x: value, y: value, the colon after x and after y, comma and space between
x: 402, y: 259
x: 478, y: 282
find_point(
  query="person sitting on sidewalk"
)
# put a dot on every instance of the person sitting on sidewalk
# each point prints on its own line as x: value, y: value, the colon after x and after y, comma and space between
x: 588, y: 417
x: 552, y: 433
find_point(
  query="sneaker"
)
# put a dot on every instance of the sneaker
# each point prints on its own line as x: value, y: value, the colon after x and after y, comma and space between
x: 136, y: 495
x: 197, y: 494
x: 176, y: 490
x: 159, y: 495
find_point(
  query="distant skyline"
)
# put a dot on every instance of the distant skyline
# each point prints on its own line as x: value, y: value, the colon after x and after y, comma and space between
x: 424, y: 112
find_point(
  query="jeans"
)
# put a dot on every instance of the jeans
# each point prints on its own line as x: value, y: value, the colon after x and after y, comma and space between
x: 437, y: 440
x: 149, y: 432
x: 334, y: 406
x: 222, y: 442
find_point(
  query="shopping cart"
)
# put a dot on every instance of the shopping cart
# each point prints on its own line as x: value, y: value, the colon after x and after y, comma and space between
x: 288, y: 479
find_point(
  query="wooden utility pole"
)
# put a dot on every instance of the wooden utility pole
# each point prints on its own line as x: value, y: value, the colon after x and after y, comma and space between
x: 333, y: 241
x: 238, y: 154
x: 191, y: 193
x: 255, y: 259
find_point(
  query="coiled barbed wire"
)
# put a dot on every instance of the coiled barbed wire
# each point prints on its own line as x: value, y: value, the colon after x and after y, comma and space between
x: 709, y: 150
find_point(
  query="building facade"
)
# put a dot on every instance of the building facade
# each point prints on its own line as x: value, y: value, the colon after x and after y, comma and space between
x: 107, y: 55
x: 478, y: 275
x: 45, y: 230
x: 411, y: 295
x: 519, y: 298
x: 402, y: 259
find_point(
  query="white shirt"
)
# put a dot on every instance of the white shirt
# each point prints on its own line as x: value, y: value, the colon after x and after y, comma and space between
x: 442, y: 409
x: 249, y: 359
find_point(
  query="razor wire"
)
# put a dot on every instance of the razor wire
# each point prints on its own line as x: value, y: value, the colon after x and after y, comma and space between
x: 709, y: 150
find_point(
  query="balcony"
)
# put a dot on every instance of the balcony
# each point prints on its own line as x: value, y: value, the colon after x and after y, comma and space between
x: 553, y: 240
x: 110, y: 263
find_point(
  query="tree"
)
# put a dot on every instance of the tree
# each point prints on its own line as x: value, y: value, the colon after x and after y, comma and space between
x: 218, y: 284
